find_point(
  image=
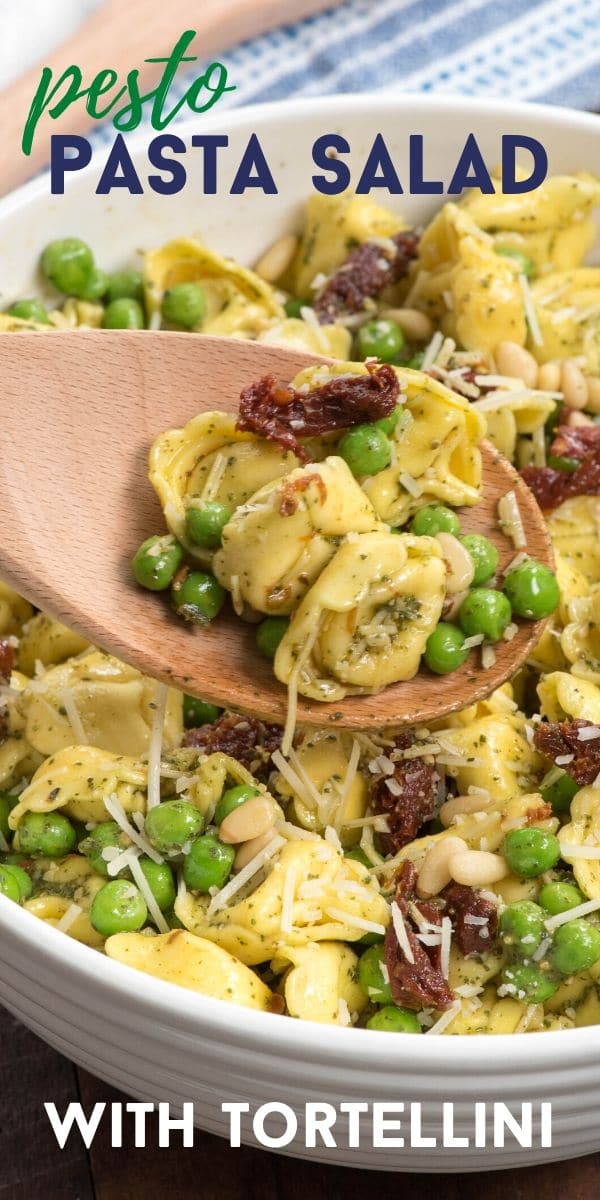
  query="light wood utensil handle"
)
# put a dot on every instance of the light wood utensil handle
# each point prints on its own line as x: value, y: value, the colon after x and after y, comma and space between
x: 121, y: 35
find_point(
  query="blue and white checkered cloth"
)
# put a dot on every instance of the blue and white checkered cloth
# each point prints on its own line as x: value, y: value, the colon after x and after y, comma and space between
x: 546, y: 50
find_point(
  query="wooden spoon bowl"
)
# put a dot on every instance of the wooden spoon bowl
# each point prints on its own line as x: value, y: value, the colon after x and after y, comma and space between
x: 80, y: 411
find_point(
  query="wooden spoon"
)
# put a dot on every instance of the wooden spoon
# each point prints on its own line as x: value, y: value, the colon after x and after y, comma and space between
x: 80, y: 410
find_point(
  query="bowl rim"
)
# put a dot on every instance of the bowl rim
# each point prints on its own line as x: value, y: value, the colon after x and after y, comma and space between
x: 191, y: 1012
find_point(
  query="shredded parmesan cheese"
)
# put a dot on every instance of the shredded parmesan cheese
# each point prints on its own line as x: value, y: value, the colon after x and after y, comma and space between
x: 445, y: 946
x: 511, y: 521
x: 346, y: 918
x: 581, y: 910
x: 69, y: 917
x: 530, y: 313
x: 155, y: 748
x: 400, y: 931
x: 446, y: 1018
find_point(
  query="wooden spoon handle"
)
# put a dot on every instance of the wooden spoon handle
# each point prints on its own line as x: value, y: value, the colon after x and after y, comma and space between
x: 120, y: 36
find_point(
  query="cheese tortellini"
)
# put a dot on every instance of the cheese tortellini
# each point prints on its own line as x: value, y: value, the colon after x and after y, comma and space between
x: 366, y: 620
x: 238, y: 302
x: 276, y: 545
x: 191, y: 962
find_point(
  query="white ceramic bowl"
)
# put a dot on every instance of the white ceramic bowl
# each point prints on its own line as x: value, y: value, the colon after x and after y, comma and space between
x: 152, y: 1039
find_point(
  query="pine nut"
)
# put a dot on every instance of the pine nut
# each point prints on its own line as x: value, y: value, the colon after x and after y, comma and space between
x: 477, y: 867
x: 513, y: 360
x: 459, y: 564
x: 573, y: 384
x: 416, y: 325
x: 277, y: 258
x: 250, y: 820
x: 248, y: 850
x: 462, y: 804
x: 593, y: 394
x: 576, y: 418
x: 548, y: 379
x: 435, y: 868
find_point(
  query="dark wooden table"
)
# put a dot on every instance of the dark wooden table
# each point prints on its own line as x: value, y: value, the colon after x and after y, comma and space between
x: 33, y: 1168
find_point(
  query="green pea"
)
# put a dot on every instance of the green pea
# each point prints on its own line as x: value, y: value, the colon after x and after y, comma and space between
x: 96, y: 286
x: 522, y: 926
x: 530, y: 852
x: 559, y: 897
x: 185, y: 304
x: 392, y: 1019
x: 157, y: 562
x: 484, y: 556
x: 562, y: 462
x: 485, y: 611
x: 366, y: 449
x: 170, y: 826
x: 29, y: 310
x: 9, y: 886
x: 435, y: 518
x: 159, y: 878
x: 445, y: 649
x: 388, y: 424
x: 382, y: 339
x: 416, y: 362
x: 68, y: 264
x: 123, y: 314
x: 49, y: 834
x: 22, y: 878
x: 199, y: 712
x: 208, y: 863
x: 126, y: 285
x: 525, y: 264
x: 204, y: 523
x: 231, y: 799
x: 269, y: 634
x: 560, y: 792
x: 118, y: 907
x: 105, y: 834
x: 293, y: 307
x: 527, y: 981
x: 532, y: 590
x: 198, y: 598
x: 371, y: 978
x: 576, y: 947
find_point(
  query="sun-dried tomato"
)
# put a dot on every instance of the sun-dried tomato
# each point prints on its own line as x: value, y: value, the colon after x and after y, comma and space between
x: 575, y: 441
x: 560, y: 739
x: 7, y: 660
x: 463, y: 903
x: 367, y: 270
x: 289, y: 496
x: 246, y: 739
x: 419, y: 984
x: 550, y: 486
x: 284, y: 415
x: 409, y: 808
